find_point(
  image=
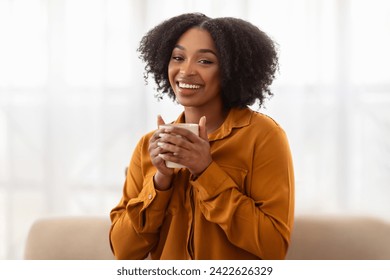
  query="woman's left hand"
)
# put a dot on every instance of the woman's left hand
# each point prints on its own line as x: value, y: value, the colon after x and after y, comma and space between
x: 189, y: 150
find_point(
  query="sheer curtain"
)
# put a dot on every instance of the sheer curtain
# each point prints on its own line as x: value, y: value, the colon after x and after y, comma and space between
x: 73, y: 102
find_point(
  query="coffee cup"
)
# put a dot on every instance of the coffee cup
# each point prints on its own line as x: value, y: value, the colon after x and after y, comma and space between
x: 193, y: 127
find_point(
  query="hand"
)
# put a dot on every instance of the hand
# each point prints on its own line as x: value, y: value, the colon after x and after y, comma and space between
x: 163, y: 176
x: 190, y: 150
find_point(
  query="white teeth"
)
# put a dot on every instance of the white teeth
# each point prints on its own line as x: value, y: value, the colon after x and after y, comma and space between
x: 183, y: 85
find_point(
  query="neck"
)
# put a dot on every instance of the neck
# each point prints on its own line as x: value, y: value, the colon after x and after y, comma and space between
x: 214, y: 118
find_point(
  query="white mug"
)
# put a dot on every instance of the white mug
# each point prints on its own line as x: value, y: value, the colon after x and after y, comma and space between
x: 193, y: 127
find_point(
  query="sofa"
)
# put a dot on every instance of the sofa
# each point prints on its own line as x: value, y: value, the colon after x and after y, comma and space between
x: 313, y: 238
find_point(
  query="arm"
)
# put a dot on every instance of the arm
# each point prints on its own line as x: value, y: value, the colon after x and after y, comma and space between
x: 259, y: 221
x: 138, y: 216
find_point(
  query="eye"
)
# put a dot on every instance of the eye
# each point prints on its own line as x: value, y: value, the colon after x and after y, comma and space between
x: 177, y: 58
x: 205, y: 61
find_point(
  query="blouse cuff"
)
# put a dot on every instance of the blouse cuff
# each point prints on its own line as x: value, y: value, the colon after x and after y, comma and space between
x: 151, y: 197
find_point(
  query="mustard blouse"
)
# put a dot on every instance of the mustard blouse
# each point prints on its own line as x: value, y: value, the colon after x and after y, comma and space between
x: 240, y: 207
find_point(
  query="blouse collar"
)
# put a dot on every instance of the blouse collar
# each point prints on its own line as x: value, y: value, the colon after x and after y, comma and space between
x: 236, y: 118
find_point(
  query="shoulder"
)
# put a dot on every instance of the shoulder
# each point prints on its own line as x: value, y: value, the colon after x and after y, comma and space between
x: 266, y: 129
x: 254, y: 120
x: 254, y: 125
x: 264, y: 120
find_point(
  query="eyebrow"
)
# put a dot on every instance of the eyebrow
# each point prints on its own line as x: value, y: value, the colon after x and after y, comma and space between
x: 200, y: 50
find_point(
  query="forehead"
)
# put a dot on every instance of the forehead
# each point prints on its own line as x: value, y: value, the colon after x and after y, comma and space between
x: 195, y: 39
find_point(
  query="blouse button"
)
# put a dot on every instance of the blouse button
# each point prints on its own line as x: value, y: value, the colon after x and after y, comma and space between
x: 150, y: 196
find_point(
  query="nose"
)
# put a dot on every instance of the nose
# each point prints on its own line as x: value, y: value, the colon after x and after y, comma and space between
x: 187, y: 69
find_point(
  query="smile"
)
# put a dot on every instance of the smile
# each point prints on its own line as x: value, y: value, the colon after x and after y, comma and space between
x: 184, y: 85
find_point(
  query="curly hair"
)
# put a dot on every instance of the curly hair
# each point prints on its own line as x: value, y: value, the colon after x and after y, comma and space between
x: 247, y: 57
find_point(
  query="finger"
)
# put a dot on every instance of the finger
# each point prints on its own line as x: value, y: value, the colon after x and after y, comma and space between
x: 169, y: 148
x: 171, y: 157
x: 155, y: 151
x: 202, y: 128
x: 180, y: 131
x: 160, y: 121
x: 169, y: 141
x: 154, y: 139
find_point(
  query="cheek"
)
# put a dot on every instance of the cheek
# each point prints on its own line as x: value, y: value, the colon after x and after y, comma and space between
x: 215, y: 81
x: 171, y: 74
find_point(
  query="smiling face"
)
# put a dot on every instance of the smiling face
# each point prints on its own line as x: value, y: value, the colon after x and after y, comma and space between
x: 194, y: 70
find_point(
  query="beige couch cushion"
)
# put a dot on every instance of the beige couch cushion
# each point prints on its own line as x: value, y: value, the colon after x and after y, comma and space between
x: 339, y: 238
x: 69, y: 238
x: 314, y: 237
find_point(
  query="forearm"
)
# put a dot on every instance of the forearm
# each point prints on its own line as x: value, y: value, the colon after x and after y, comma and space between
x: 248, y: 226
x: 126, y: 243
x: 136, y: 221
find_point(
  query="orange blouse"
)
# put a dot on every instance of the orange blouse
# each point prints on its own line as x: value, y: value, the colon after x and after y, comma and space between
x: 240, y: 207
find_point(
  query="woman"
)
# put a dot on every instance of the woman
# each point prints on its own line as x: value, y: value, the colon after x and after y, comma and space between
x: 235, y: 197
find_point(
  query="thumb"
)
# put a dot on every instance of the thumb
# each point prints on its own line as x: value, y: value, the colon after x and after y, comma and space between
x: 202, y: 128
x: 160, y: 121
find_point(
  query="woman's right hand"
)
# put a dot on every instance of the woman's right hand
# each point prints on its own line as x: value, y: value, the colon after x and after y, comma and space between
x: 163, y: 177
